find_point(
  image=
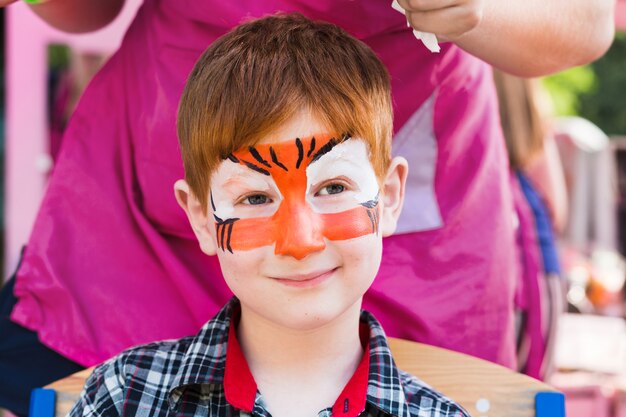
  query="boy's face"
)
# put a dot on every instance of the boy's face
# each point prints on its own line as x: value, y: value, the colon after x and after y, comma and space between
x: 297, y: 222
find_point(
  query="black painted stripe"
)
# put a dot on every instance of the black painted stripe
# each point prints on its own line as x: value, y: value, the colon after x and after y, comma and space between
x: 370, y: 204
x: 256, y: 155
x: 300, y: 152
x: 230, y: 233
x: 217, y: 233
x: 223, y: 233
x: 212, y: 203
x: 256, y: 168
x: 329, y: 146
x: 275, y: 159
x: 312, y: 147
x: 325, y: 149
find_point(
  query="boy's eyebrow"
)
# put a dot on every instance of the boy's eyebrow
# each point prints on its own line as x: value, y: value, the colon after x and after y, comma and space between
x: 244, y: 179
x: 329, y: 147
x: 255, y: 154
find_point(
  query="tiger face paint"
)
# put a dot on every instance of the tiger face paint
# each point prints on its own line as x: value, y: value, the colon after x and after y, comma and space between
x: 295, y: 194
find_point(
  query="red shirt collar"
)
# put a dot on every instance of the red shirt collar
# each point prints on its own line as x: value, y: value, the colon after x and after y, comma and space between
x: 240, y: 387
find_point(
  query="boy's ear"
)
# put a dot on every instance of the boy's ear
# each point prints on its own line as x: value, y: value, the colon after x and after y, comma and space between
x: 393, y: 195
x: 197, y: 217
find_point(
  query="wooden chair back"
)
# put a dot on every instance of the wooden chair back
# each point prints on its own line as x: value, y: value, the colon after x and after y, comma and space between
x: 482, y: 388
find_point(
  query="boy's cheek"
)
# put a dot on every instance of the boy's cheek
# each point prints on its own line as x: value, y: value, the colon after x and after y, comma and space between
x: 245, y: 234
x: 350, y: 224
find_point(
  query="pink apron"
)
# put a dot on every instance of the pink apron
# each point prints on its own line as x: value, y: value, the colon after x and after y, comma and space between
x: 112, y: 261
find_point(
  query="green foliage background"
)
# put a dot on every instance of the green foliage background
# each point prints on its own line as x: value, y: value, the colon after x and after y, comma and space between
x: 596, y: 92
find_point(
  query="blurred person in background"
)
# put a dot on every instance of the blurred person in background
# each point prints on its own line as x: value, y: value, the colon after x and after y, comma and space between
x: 540, y: 199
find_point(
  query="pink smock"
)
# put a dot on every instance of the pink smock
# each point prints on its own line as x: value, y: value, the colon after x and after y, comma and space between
x: 112, y: 261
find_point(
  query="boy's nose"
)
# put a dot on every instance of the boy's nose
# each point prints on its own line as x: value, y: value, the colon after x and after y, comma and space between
x: 300, y: 234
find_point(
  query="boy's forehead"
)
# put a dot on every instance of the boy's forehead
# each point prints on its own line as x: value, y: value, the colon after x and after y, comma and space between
x: 229, y: 174
x: 287, y: 156
x: 303, y: 124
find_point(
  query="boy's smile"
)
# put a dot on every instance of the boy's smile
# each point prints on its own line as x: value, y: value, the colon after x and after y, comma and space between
x: 306, y: 280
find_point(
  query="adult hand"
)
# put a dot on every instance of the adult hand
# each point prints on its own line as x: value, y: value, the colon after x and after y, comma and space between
x: 4, y: 3
x: 527, y: 38
x: 448, y: 19
x: 76, y: 16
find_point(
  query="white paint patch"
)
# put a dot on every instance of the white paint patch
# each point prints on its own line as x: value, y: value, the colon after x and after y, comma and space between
x: 349, y: 161
x: 231, y: 181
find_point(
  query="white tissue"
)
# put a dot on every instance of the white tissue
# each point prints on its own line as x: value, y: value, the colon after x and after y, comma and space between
x: 428, y: 39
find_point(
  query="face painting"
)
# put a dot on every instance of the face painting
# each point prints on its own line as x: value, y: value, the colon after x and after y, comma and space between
x: 295, y: 194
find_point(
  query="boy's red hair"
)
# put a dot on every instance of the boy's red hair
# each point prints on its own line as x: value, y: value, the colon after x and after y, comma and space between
x: 258, y: 76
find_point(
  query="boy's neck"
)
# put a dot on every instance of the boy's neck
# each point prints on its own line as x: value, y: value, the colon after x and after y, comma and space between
x: 300, y: 372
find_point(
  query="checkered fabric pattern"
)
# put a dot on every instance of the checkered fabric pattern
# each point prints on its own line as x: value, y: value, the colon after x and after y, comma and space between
x: 185, y: 378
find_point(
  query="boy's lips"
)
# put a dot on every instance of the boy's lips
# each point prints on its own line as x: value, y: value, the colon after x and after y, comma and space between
x: 308, y: 279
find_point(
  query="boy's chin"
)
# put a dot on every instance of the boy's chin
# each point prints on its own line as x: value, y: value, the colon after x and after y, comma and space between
x: 311, y: 322
x: 315, y: 317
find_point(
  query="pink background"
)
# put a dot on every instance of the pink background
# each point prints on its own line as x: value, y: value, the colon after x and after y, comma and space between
x: 27, y: 153
x: 26, y: 117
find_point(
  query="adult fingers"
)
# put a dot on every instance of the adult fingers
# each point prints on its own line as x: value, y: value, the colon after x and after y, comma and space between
x: 450, y: 22
x: 427, y: 5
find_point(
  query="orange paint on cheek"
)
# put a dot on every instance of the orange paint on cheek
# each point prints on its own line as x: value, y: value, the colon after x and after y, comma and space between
x: 359, y: 221
x: 295, y: 228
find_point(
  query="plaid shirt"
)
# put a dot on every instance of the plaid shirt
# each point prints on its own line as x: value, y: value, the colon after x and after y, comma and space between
x: 189, y: 377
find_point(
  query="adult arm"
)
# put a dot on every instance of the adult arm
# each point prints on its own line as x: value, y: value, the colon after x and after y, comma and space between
x: 523, y: 37
x: 76, y: 16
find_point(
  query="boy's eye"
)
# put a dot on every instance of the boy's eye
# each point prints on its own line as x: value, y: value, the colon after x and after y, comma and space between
x: 331, y: 189
x: 256, y: 199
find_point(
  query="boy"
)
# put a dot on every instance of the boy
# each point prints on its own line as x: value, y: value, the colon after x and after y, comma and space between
x: 285, y: 128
